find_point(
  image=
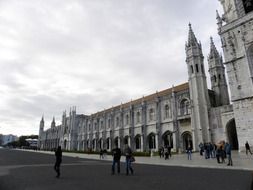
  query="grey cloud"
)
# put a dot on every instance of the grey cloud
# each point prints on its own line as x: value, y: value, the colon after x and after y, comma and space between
x: 92, y: 54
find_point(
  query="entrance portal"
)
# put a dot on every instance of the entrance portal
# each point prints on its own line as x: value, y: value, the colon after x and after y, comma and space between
x: 167, y: 139
x: 187, y: 140
x: 232, y: 134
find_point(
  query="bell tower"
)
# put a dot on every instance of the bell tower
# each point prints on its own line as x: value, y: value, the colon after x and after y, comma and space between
x: 40, y: 132
x: 198, y: 90
x: 217, y: 74
x: 236, y: 31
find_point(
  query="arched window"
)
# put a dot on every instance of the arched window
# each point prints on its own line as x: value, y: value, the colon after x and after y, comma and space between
x: 108, y: 143
x: 127, y: 119
x: 215, y: 79
x: 167, y: 111
x: 152, y: 141
x: 138, y: 117
x: 137, y: 142
x: 109, y: 123
x: 184, y: 107
x: 101, y: 125
x: 95, y: 126
x: 151, y: 114
x: 126, y: 140
x: 117, y: 121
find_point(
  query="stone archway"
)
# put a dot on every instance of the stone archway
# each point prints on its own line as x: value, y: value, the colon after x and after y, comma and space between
x: 187, y: 140
x: 137, y: 141
x: 232, y: 134
x: 167, y: 139
x: 65, y: 144
x: 151, y: 141
x: 126, y: 140
x: 117, y: 142
x: 100, y: 144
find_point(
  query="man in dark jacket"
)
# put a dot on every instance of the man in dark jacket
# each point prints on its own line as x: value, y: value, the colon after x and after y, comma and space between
x: 116, y: 153
x: 247, y: 147
x: 58, y: 155
x: 128, y: 154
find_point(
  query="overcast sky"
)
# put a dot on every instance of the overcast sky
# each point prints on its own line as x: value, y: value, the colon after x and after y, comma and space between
x: 92, y: 54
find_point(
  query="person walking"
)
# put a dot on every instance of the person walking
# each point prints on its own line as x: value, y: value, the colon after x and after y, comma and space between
x: 160, y: 152
x: 58, y: 156
x: 218, y: 153
x: 169, y: 151
x: 128, y: 154
x: 247, y: 147
x: 228, y: 149
x: 116, y: 153
x: 201, y: 148
x: 189, y: 152
x: 166, y: 153
x: 101, y: 154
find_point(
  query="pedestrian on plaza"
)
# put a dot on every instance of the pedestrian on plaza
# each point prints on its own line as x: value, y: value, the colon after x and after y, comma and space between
x: 160, y: 152
x: 214, y: 150
x: 201, y: 149
x: 166, y: 153
x: 169, y: 151
x: 105, y: 153
x: 247, y: 147
x: 211, y: 150
x: 116, y: 153
x: 189, y: 152
x: 218, y: 153
x: 101, y: 154
x: 58, y: 155
x: 228, y: 149
x: 129, y: 154
x: 223, y: 152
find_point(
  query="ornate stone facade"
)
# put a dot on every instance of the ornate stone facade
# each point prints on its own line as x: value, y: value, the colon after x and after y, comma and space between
x: 236, y: 32
x: 186, y: 114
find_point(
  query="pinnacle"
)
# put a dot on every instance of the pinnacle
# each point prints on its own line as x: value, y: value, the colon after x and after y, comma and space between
x: 192, y: 40
x: 213, y: 50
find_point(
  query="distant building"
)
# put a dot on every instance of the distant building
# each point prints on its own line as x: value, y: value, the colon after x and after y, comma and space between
x: 186, y: 114
x: 9, y: 138
x: 1, y: 139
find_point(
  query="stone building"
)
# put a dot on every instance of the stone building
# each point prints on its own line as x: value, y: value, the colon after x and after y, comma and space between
x: 236, y: 31
x: 186, y: 114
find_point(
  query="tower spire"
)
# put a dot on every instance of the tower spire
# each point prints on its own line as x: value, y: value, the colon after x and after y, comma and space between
x: 42, y: 118
x: 192, y: 40
x: 53, y: 122
x: 217, y: 74
x: 213, y: 50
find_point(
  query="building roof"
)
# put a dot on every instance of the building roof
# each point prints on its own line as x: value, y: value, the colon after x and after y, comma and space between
x: 150, y: 97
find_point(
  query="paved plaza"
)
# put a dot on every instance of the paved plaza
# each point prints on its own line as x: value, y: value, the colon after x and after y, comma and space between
x: 29, y: 170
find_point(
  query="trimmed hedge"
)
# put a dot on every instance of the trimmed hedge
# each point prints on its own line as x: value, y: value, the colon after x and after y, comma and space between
x: 108, y: 153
